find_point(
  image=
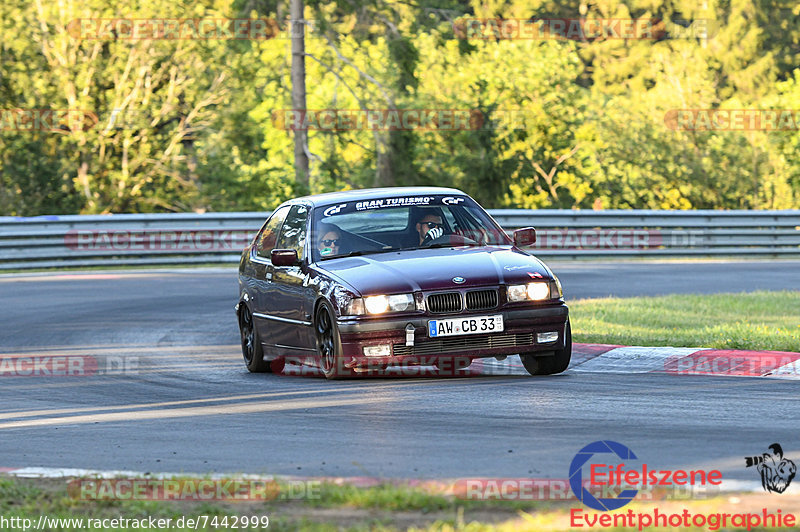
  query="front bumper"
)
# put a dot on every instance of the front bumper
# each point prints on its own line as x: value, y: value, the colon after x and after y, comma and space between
x: 521, y: 326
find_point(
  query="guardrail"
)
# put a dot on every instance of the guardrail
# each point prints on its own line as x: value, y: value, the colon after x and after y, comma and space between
x: 164, y: 239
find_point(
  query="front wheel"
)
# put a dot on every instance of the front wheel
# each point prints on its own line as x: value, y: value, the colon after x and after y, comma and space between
x: 548, y: 365
x: 329, y: 346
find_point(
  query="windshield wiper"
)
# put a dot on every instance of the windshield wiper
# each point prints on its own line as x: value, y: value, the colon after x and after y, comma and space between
x: 367, y: 252
x: 450, y: 245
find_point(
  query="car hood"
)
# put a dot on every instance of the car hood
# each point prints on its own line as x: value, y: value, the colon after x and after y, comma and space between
x: 434, y: 269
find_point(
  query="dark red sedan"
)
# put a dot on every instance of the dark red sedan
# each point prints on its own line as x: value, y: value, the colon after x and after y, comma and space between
x: 365, y: 279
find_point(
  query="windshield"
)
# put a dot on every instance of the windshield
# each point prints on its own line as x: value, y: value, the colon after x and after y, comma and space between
x: 404, y: 222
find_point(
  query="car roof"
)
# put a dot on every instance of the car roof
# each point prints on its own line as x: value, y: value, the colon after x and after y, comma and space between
x: 329, y: 198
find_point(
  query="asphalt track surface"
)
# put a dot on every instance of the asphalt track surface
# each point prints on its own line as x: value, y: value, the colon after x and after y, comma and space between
x: 172, y: 395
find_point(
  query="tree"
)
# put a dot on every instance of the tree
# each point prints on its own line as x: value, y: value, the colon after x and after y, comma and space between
x: 298, y: 30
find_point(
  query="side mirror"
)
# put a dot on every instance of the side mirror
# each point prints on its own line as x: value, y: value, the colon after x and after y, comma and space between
x: 524, y: 237
x: 284, y: 257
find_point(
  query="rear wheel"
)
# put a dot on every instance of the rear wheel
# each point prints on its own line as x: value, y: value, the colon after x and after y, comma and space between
x: 329, y: 345
x: 252, y: 351
x: 548, y: 365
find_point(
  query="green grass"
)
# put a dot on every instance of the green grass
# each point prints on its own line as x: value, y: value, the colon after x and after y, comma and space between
x: 756, y: 320
x: 387, y: 507
x: 410, y: 498
x: 385, y: 497
x: 28, y: 498
x: 333, y: 507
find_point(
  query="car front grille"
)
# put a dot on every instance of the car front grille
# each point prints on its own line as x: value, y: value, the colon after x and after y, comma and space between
x: 462, y: 343
x: 444, y: 302
x: 481, y: 299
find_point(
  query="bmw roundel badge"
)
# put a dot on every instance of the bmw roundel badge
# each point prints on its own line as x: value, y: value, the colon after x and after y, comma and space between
x: 459, y: 280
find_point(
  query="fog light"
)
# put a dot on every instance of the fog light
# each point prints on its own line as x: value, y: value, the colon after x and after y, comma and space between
x: 378, y: 351
x: 547, y: 337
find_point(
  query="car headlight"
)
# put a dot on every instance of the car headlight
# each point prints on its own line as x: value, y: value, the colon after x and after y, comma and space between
x: 376, y: 304
x: 380, y: 304
x: 529, y: 292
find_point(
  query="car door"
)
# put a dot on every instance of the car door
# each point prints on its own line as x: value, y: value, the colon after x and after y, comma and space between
x: 263, y: 288
x: 293, y: 299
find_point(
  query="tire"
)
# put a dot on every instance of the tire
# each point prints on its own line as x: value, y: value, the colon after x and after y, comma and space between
x: 252, y: 351
x: 329, y: 344
x: 549, y: 365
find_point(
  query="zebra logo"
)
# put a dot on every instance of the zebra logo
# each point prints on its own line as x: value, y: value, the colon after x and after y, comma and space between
x: 776, y: 471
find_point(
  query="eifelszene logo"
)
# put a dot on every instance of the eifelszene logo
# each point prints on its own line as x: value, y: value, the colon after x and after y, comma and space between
x: 617, y: 475
x: 776, y: 471
x: 576, y: 475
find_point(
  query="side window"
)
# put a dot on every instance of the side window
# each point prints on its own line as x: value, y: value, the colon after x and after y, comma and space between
x: 269, y: 235
x: 293, y: 233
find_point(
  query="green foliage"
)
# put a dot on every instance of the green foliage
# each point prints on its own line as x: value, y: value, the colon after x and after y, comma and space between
x: 563, y: 124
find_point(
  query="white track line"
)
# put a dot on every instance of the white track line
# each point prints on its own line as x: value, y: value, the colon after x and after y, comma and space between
x: 634, y: 359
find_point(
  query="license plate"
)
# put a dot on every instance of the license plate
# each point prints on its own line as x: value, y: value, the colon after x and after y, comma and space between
x: 466, y: 325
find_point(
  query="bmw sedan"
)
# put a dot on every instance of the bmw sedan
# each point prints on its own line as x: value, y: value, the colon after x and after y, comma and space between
x: 354, y: 281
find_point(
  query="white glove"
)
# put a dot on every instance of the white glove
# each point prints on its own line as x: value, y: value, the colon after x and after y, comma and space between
x: 434, y: 233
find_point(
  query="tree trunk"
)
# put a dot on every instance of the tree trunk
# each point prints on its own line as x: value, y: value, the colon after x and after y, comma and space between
x: 384, y: 174
x: 299, y: 90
